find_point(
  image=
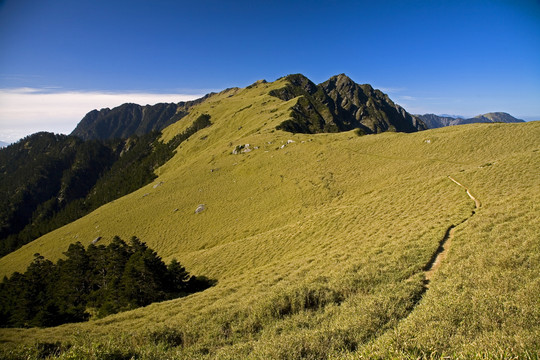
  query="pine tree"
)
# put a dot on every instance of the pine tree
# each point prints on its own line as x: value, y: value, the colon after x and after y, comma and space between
x: 73, y: 285
x: 178, y: 278
x: 144, y: 276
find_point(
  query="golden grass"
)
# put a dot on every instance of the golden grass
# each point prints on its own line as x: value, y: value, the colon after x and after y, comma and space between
x: 318, y: 247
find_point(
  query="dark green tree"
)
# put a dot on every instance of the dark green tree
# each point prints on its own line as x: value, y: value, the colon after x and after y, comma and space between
x: 107, y: 279
x: 178, y: 278
x: 73, y: 285
x: 33, y: 305
x: 144, y: 278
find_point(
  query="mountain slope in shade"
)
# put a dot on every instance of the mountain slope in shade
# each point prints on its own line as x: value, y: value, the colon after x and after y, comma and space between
x: 340, y: 104
x: 130, y: 119
x: 435, y: 121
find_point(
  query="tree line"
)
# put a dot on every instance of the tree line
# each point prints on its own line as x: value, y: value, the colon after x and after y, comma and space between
x: 92, y: 283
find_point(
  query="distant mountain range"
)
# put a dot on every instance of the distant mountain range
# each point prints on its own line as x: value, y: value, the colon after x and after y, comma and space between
x: 3, y: 144
x: 435, y: 121
x: 338, y: 104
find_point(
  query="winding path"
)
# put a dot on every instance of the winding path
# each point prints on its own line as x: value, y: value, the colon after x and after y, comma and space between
x: 439, y: 255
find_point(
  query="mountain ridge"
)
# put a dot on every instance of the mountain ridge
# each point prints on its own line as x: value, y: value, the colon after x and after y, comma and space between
x: 436, y: 121
x: 130, y: 119
x: 338, y: 104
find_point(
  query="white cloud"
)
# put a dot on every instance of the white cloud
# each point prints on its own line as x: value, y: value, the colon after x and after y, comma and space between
x: 407, y: 98
x: 24, y: 111
x: 392, y: 90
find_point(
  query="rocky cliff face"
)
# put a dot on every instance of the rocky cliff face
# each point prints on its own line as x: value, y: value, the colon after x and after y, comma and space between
x: 339, y: 104
x: 434, y: 121
x: 131, y: 119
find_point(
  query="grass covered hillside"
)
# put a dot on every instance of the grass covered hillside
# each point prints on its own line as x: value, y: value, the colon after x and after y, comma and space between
x: 319, y: 243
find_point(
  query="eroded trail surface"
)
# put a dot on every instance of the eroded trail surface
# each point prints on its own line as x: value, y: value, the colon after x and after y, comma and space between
x: 444, y: 244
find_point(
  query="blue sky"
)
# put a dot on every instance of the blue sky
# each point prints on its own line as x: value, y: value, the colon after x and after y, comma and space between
x: 61, y: 58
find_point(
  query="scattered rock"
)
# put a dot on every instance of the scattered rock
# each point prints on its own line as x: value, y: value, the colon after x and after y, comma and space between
x: 237, y: 149
x: 242, y: 149
x: 96, y: 240
x: 158, y: 184
x: 200, y: 208
x: 290, y: 141
x: 428, y: 141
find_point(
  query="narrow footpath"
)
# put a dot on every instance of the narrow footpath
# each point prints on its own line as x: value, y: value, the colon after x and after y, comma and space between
x: 439, y: 255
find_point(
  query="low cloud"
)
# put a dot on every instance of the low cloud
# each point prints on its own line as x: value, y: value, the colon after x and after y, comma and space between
x: 24, y: 111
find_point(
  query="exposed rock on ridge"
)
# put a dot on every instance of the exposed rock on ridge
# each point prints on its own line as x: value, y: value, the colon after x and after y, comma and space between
x: 339, y: 104
x: 129, y: 119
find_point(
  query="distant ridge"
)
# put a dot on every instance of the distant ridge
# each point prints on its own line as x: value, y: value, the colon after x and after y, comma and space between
x: 3, y: 144
x: 435, y: 121
x: 130, y: 119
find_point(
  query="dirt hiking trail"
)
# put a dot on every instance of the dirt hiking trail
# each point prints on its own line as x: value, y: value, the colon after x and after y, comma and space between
x: 444, y: 244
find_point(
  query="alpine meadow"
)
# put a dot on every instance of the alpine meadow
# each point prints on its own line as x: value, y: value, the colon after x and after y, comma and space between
x: 332, y: 224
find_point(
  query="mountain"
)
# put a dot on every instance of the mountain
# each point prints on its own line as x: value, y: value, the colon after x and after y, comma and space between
x: 131, y: 119
x: 339, y: 104
x: 88, y: 175
x: 323, y: 245
x: 3, y: 144
x: 37, y: 175
x: 496, y: 117
x: 435, y: 121
x: 49, y: 180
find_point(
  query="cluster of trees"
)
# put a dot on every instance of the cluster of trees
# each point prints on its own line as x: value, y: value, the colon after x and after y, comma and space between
x: 49, y: 180
x: 92, y: 282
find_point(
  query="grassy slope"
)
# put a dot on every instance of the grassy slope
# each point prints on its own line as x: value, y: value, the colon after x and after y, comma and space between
x: 318, y: 247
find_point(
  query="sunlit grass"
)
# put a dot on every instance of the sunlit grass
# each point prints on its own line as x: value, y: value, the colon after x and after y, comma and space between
x: 319, y: 247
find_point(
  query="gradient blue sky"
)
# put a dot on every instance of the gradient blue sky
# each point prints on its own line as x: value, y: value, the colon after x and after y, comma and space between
x: 454, y: 57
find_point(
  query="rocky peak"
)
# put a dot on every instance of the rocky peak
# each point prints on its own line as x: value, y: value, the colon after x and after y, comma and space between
x: 299, y: 80
x: 340, y: 104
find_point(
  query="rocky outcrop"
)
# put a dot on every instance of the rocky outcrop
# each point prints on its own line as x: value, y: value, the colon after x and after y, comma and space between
x: 339, y: 104
x: 129, y: 119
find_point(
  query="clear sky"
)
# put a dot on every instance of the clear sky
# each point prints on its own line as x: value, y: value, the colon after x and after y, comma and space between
x: 62, y: 58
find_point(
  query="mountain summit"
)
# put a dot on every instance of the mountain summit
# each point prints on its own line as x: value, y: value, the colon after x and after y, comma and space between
x: 340, y: 104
